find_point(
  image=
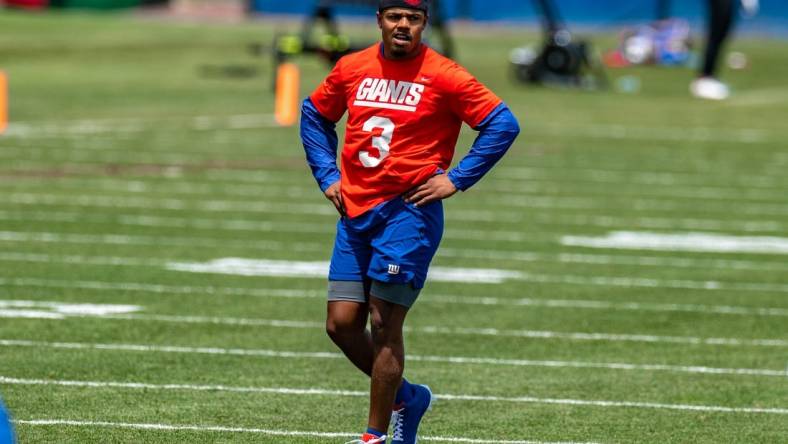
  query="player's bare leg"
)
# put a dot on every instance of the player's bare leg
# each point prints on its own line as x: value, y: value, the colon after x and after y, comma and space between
x: 346, y: 325
x: 389, y: 359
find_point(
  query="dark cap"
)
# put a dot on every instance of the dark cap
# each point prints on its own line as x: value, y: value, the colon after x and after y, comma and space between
x: 422, y: 5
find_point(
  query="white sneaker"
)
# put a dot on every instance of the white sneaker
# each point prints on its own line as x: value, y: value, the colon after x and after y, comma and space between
x: 368, y: 439
x: 709, y: 88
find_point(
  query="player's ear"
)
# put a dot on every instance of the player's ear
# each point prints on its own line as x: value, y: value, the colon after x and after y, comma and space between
x: 380, y: 19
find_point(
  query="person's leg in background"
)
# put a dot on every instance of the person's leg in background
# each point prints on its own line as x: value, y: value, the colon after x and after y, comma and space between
x: 720, y: 23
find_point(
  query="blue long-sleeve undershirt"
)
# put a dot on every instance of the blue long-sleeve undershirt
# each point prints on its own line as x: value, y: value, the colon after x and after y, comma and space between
x: 496, y: 134
x: 319, y: 137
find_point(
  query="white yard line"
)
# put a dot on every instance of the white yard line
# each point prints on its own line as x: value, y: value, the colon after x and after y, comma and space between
x: 23, y: 157
x: 258, y: 431
x: 759, y: 97
x: 517, y: 178
x: 349, y: 393
x: 323, y: 228
x: 517, y: 175
x: 318, y: 269
x: 655, y: 133
x: 692, y: 242
x: 468, y: 360
x: 625, y: 177
x: 247, y: 121
x: 448, y: 252
x: 549, y: 186
x: 284, y: 186
x: 8, y: 310
x: 432, y: 299
x: 120, y: 239
x: 85, y: 127
x: 257, y: 225
x: 323, y: 209
x: 652, y: 205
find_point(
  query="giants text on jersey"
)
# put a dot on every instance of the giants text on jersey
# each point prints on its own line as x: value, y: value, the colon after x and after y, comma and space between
x: 389, y: 94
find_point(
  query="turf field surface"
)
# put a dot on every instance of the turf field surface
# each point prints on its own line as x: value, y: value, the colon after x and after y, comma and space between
x: 619, y: 277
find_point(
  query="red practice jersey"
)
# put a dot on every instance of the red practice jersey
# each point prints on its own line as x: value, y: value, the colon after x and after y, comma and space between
x: 404, y: 117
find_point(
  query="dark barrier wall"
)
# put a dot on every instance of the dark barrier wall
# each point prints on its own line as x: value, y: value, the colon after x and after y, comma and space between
x: 596, y: 12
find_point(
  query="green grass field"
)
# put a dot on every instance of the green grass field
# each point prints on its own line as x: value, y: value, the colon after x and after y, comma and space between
x: 128, y: 154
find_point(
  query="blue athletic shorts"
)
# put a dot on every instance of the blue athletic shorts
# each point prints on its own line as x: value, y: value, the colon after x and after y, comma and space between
x: 392, y: 243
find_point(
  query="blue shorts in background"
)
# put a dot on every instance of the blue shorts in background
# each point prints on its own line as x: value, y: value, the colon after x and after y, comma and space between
x: 393, y: 243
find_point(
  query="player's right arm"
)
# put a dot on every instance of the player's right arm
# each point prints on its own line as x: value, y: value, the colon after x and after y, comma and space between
x: 319, y: 137
x: 319, y: 114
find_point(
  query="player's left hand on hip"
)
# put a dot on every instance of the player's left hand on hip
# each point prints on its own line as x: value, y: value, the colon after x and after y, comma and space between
x: 437, y: 187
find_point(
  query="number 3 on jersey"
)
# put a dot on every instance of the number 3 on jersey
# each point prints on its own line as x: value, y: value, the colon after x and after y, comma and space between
x: 380, y: 142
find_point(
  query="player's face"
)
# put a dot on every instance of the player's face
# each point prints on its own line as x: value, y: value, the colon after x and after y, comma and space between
x: 401, y: 29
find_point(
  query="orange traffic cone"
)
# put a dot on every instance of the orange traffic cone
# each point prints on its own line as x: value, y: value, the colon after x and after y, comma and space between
x: 287, y: 86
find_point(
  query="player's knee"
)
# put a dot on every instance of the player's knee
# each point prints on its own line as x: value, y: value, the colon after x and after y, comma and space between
x: 338, y: 328
x: 385, y: 331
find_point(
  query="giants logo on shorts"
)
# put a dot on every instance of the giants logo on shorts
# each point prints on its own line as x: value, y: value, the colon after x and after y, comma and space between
x: 393, y: 269
x: 389, y: 94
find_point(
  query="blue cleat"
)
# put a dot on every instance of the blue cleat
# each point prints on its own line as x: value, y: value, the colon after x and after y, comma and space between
x: 405, y: 418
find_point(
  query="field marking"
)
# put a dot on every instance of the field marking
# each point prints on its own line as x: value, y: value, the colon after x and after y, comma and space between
x: 468, y: 360
x: 247, y: 121
x: 94, y: 157
x: 705, y: 192
x: 322, y: 209
x: 18, y: 309
x: 313, y: 270
x: 285, y: 186
x: 759, y: 97
x: 606, y: 281
x: 519, y: 174
x: 227, y: 224
x: 319, y: 270
x: 635, y: 205
x: 269, y: 432
x: 133, y: 125
x: 448, y: 252
x: 121, y: 239
x: 515, y: 196
x: 350, y: 393
x: 59, y: 310
x: 652, y: 133
x: 432, y: 299
x: 628, y: 177
x: 667, y: 206
x: 694, y: 242
x: 234, y: 225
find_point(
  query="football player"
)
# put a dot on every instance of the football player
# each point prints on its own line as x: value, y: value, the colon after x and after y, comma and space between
x: 405, y: 105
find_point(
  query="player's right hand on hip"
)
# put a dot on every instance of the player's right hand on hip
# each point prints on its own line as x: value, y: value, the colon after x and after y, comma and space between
x: 334, y: 194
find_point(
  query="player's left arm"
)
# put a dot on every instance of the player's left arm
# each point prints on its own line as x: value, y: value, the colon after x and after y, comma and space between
x: 497, y: 132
